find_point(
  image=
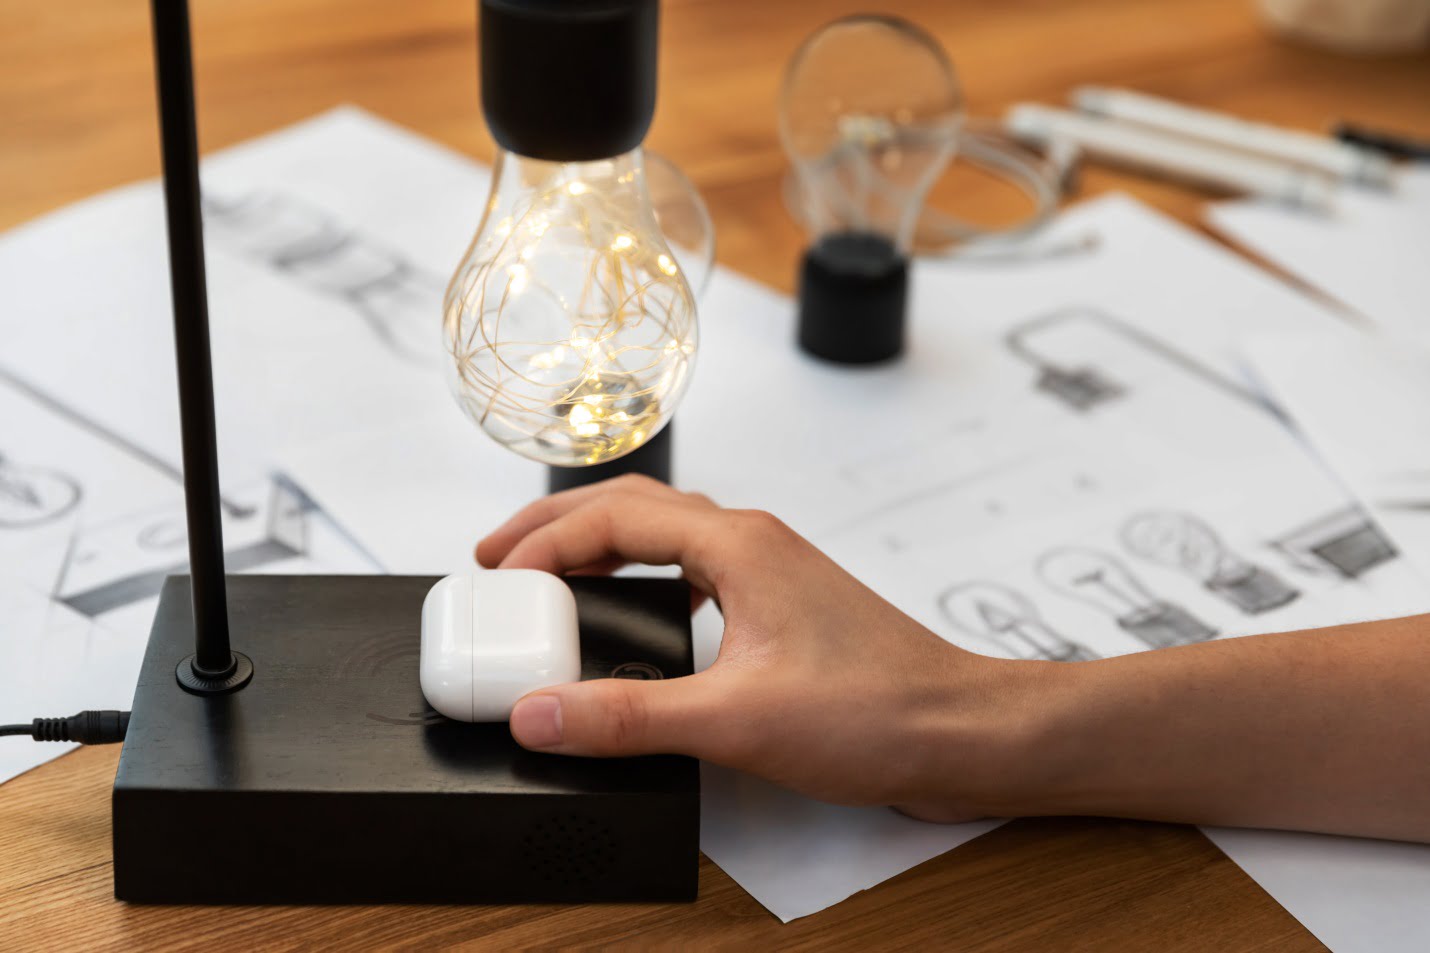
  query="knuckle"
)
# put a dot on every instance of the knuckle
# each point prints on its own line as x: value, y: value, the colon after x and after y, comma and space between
x: 635, y: 481
x: 763, y: 524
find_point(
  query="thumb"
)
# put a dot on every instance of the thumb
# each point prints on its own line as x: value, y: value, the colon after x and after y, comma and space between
x: 613, y: 717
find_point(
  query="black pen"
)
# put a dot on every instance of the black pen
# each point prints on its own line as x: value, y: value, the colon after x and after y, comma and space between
x: 1390, y: 144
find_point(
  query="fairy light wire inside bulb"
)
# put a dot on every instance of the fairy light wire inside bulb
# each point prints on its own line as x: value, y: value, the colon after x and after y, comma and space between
x: 570, y: 326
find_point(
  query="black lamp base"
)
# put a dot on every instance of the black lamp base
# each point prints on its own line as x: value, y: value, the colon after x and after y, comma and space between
x: 328, y: 779
x: 651, y: 459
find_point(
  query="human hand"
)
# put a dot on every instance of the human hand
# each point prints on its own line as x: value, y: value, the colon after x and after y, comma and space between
x: 820, y: 685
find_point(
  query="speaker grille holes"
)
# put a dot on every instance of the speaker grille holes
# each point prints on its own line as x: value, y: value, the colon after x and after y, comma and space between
x: 569, y: 850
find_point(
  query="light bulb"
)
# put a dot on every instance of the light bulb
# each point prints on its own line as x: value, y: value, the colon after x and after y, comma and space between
x: 1104, y: 583
x: 1007, y: 620
x: 869, y: 114
x: 569, y: 326
x: 1181, y: 541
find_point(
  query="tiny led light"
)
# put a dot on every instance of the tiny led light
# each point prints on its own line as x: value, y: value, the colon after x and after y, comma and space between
x: 546, y: 360
x: 622, y: 243
x: 517, y: 278
x: 666, y: 265
x: 578, y: 188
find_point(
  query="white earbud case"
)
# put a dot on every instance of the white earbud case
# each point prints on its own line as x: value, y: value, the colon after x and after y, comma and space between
x: 489, y: 638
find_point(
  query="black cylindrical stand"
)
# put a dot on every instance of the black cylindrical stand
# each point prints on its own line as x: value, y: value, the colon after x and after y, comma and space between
x: 213, y: 667
x: 651, y: 459
x: 852, y: 292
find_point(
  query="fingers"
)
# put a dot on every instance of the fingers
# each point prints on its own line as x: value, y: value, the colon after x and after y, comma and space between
x: 617, y: 717
x: 495, y: 547
x: 653, y: 530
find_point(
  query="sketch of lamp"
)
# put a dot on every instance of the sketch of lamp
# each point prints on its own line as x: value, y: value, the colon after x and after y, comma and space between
x: 1007, y: 620
x: 34, y: 496
x: 1082, y: 387
x: 1181, y: 541
x: 1103, y: 582
x: 120, y: 563
x: 1345, y: 543
x: 400, y: 302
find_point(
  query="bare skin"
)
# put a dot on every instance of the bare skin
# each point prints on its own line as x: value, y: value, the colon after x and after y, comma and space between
x: 825, y: 688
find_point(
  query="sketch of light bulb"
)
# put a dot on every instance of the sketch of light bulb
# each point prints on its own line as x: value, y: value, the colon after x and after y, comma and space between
x: 1007, y: 620
x: 1103, y: 582
x: 1181, y: 541
x: 32, y: 496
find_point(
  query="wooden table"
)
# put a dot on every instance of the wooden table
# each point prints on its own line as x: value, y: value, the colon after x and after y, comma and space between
x: 77, y: 116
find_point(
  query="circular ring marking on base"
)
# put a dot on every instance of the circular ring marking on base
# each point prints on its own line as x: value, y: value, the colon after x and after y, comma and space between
x: 191, y: 682
x: 642, y: 671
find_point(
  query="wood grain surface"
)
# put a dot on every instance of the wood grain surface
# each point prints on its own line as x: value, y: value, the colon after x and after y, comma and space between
x: 77, y: 116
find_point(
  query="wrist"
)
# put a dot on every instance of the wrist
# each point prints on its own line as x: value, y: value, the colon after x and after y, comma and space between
x: 1012, y: 748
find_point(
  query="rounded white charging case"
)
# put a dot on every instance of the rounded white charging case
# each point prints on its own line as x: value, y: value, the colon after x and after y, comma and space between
x: 489, y: 638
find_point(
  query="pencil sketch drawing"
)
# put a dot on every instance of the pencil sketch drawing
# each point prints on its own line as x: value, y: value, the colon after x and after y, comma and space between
x: 1083, y: 388
x: 1183, y: 542
x: 1345, y: 543
x: 34, y: 496
x: 121, y: 562
x: 1007, y: 621
x: 1103, y: 582
x: 399, y: 300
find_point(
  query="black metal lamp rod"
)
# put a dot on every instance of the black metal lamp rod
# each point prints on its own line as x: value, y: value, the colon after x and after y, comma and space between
x: 174, y: 66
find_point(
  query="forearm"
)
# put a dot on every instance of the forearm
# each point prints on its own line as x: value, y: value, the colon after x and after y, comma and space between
x: 1325, y: 730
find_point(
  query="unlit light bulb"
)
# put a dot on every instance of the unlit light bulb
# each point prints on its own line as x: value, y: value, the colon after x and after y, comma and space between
x: 570, y: 325
x: 869, y: 115
x: 1008, y: 621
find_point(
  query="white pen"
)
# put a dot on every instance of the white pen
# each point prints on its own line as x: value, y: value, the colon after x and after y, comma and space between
x: 1339, y: 159
x: 1173, y: 156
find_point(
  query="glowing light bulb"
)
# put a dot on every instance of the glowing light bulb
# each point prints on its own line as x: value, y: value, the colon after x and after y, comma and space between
x: 1104, y: 583
x: 869, y: 114
x: 569, y: 326
x: 1181, y: 541
x: 1008, y: 621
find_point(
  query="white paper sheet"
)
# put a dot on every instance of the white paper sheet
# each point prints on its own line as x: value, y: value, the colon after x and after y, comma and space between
x: 1355, y: 895
x: 1364, y: 406
x: 1369, y: 254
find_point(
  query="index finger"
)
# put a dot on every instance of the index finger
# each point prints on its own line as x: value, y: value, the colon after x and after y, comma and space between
x: 495, y: 546
x: 652, y: 530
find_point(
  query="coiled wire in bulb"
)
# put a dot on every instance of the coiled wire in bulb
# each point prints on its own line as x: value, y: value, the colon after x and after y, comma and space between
x: 569, y: 326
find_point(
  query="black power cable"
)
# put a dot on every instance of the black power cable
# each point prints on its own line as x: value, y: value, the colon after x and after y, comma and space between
x: 86, y: 728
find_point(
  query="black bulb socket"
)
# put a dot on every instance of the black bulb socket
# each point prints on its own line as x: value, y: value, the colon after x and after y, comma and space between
x: 853, y: 291
x: 568, y: 80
